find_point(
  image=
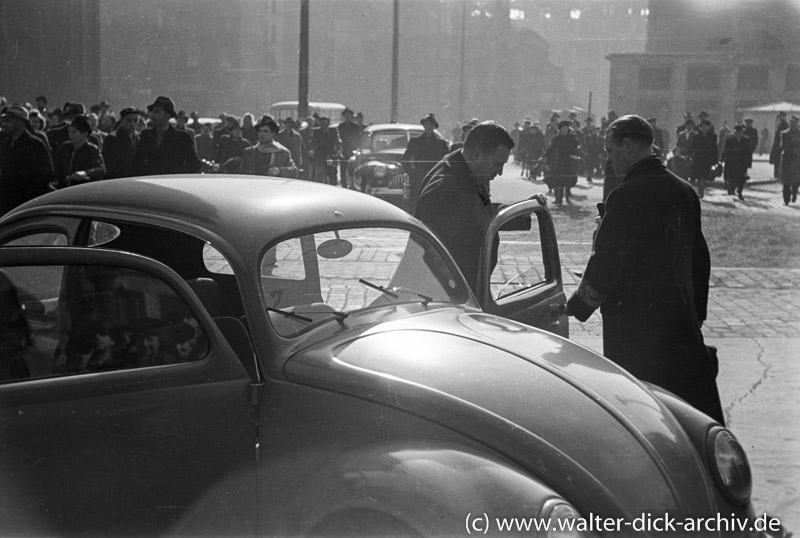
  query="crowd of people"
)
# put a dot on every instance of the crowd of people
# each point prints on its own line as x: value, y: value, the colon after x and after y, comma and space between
x: 43, y: 150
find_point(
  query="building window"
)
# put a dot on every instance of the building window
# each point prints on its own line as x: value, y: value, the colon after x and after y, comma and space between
x: 516, y: 14
x: 654, y: 78
x: 793, y: 77
x: 702, y: 77
x: 753, y: 77
x: 575, y: 14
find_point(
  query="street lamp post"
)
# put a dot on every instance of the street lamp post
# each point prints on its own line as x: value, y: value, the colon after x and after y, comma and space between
x: 302, y: 86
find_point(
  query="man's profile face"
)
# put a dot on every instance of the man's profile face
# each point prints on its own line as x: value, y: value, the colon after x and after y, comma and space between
x: 485, y: 165
x: 618, y: 154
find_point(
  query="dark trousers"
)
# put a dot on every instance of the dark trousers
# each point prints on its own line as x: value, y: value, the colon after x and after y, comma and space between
x: 790, y: 193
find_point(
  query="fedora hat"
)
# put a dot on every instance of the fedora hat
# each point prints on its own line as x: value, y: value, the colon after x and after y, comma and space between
x: 17, y: 111
x: 164, y: 102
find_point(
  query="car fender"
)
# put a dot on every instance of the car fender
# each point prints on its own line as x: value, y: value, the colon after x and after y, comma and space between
x: 402, y: 488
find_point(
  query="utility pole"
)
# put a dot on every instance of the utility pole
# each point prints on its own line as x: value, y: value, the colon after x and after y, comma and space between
x: 395, y: 59
x: 461, y: 74
x: 302, y: 85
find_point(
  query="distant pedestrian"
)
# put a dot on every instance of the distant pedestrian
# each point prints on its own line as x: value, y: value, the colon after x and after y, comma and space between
x: 422, y: 154
x: 561, y: 158
x: 163, y: 149
x: 119, y: 149
x: 524, y: 147
x: 268, y: 157
x: 723, y: 134
x: 326, y: 151
x: 790, y: 160
x: 649, y: 273
x: 248, y: 129
x: 737, y: 157
x: 704, y: 155
x: 591, y: 148
x: 752, y: 134
x: 231, y: 146
x: 350, y: 136
x: 78, y: 160
x: 678, y: 164
x: 59, y: 133
x: 25, y: 165
x: 204, y: 143
x: 775, y: 153
x: 763, y: 143
x: 289, y: 138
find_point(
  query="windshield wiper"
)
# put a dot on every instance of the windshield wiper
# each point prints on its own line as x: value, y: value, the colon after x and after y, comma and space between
x: 381, y: 289
x: 289, y: 314
x: 391, y: 291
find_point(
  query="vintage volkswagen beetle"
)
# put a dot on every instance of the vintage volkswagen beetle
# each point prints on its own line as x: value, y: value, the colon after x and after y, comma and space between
x: 376, y: 166
x: 340, y: 377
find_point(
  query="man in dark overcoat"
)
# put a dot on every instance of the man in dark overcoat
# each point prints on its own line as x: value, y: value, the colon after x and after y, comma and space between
x: 422, y: 153
x: 454, y: 197
x: 25, y: 164
x: 649, y: 273
x: 119, y: 148
x: 737, y: 155
x: 703, y: 151
x: 163, y: 149
x: 561, y: 157
x: 775, y: 153
x: 790, y: 160
x: 751, y: 133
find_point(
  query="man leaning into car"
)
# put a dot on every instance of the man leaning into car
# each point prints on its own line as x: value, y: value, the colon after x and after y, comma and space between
x: 454, y: 197
x: 649, y: 272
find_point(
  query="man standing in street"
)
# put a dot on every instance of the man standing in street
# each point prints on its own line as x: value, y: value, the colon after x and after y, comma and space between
x: 790, y: 160
x: 703, y: 151
x: 649, y: 273
x: 350, y: 136
x: 25, y: 164
x: 162, y: 148
x: 454, y: 197
x: 119, y: 148
x: 738, y: 157
x: 751, y: 133
x: 422, y: 153
x: 325, y: 152
x: 268, y: 157
x: 289, y: 138
x: 775, y: 153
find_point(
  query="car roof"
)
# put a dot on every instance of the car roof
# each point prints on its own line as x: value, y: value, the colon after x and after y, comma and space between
x: 246, y: 211
x: 394, y: 127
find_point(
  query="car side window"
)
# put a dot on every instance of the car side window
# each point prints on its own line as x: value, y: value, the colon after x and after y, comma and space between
x: 39, y: 239
x: 65, y: 320
x: 520, y: 262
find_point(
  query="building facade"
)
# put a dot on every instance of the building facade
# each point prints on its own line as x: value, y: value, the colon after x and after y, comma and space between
x: 709, y: 55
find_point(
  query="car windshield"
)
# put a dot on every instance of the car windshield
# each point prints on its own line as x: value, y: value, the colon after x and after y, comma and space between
x: 328, y: 275
x: 390, y: 140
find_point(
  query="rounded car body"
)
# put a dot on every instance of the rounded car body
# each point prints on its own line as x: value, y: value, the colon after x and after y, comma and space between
x: 376, y: 165
x: 342, y: 379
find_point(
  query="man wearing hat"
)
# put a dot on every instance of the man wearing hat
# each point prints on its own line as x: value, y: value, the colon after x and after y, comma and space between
x: 350, y: 135
x: 790, y: 160
x: 289, y: 138
x: 775, y: 153
x: 60, y: 134
x: 752, y: 134
x: 561, y: 157
x: 232, y: 145
x: 268, y: 157
x: 163, y: 149
x: 25, y: 164
x: 422, y: 153
x: 326, y: 149
x: 78, y: 160
x: 119, y: 148
x: 737, y: 156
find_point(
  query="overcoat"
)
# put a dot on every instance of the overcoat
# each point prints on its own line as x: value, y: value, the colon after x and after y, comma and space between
x: 790, y: 157
x: 420, y: 156
x: 119, y: 150
x: 649, y: 275
x: 703, y: 151
x: 457, y: 207
x: 276, y: 156
x: 737, y: 157
x: 86, y: 158
x: 25, y: 170
x: 175, y: 155
x: 559, y: 157
x: 775, y: 152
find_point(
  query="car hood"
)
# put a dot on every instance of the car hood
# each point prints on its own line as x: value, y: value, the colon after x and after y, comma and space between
x: 387, y: 155
x: 569, y: 416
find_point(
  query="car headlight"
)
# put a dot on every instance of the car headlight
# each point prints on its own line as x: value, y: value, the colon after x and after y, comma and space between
x: 379, y: 171
x: 729, y: 466
x: 563, y: 519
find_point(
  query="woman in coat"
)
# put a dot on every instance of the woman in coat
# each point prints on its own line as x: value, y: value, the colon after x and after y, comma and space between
x: 268, y: 158
x: 78, y: 160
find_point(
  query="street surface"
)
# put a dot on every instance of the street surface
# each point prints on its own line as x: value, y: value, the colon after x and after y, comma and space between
x: 753, y: 320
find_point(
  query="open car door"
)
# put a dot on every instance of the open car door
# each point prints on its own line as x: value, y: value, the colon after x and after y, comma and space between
x: 520, y: 269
